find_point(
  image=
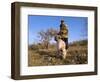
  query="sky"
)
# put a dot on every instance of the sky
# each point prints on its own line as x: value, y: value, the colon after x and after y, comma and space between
x: 77, y: 26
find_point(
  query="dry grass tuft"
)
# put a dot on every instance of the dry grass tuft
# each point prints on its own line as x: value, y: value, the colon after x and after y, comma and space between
x: 77, y: 54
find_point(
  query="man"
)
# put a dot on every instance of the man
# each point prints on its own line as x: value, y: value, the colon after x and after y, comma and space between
x: 64, y: 33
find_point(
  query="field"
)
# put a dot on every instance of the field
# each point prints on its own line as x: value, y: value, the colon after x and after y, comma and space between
x: 39, y: 56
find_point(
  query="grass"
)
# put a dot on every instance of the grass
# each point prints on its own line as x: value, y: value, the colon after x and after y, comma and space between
x: 77, y: 54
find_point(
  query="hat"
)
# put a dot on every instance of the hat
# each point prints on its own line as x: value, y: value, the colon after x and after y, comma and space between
x: 62, y: 20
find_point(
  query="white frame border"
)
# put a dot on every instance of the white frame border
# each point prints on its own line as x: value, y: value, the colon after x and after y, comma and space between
x: 25, y: 70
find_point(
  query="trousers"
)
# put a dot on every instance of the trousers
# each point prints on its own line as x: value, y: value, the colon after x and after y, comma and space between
x: 66, y: 41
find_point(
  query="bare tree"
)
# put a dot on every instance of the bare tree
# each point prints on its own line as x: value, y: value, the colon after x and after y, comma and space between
x: 46, y: 36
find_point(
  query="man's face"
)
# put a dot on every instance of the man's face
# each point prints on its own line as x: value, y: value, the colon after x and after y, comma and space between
x: 62, y: 21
